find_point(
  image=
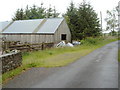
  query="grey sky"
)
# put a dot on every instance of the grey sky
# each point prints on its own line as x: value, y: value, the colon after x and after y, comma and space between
x: 8, y: 7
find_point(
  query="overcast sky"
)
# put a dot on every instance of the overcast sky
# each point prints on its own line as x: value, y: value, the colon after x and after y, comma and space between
x: 8, y: 7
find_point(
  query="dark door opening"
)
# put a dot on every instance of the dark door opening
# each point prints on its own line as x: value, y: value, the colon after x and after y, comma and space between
x: 63, y: 36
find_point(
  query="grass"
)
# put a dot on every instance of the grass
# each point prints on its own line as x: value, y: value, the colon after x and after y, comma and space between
x: 57, y: 57
x: 119, y: 55
x: 0, y: 80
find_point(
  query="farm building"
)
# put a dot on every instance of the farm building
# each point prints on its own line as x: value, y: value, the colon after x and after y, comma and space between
x: 36, y: 30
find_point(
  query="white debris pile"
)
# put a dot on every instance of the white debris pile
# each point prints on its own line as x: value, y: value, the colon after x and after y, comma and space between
x: 76, y: 43
x: 63, y: 44
x: 69, y: 45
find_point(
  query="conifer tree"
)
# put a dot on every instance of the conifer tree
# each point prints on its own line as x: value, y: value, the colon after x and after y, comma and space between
x: 71, y: 18
x: 83, y: 21
x: 35, y: 12
x: 49, y: 12
x: 55, y: 14
x: 88, y: 21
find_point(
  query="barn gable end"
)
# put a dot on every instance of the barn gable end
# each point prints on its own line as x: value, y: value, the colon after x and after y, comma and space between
x: 62, y: 30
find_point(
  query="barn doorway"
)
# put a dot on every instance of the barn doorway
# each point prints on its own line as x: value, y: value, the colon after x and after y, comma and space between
x: 63, y: 36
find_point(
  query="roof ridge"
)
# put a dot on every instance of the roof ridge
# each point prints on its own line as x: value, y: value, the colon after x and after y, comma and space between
x: 41, y: 19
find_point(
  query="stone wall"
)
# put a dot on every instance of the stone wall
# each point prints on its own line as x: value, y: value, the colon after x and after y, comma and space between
x: 10, y: 61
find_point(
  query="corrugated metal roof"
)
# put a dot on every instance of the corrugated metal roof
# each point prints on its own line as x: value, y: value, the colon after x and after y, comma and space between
x: 34, y: 26
x: 4, y: 24
x: 23, y: 26
x: 50, y: 26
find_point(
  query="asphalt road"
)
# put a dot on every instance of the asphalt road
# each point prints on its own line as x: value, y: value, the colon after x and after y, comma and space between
x: 99, y: 69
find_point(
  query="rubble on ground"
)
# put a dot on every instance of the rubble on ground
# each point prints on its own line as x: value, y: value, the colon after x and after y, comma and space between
x: 69, y: 45
x: 63, y: 44
x: 76, y: 43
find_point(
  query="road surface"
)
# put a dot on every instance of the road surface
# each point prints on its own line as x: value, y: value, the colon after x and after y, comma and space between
x: 99, y: 69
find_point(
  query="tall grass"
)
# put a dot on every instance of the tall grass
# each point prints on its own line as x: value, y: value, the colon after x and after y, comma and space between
x: 57, y: 56
x: 119, y: 55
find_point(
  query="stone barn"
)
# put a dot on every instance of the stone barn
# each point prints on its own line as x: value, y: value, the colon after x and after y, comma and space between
x: 51, y: 30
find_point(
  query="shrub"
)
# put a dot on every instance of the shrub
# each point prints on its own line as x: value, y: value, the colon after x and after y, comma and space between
x: 90, y: 40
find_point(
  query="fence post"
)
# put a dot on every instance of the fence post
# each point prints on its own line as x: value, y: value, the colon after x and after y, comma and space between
x: 42, y: 46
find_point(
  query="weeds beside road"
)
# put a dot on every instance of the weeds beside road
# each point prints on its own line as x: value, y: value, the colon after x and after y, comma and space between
x: 119, y: 55
x: 57, y: 57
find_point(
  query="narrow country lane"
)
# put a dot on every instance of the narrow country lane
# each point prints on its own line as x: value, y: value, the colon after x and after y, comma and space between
x: 99, y: 69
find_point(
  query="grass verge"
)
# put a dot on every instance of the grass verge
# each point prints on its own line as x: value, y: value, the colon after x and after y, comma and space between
x: 57, y: 57
x: 119, y: 55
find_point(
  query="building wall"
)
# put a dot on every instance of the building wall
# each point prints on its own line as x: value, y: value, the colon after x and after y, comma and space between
x: 63, y: 29
x: 29, y: 38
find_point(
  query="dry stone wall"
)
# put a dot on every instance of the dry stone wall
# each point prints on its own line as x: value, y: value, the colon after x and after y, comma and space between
x: 10, y: 61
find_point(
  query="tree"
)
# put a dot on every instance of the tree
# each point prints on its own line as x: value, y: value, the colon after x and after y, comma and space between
x: 19, y: 15
x: 88, y: 21
x: 55, y: 14
x: 71, y: 18
x: 82, y: 21
x: 16, y: 17
x: 114, y: 33
x: 111, y: 21
x: 35, y: 12
x: 27, y: 13
x: 41, y: 11
x: 49, y: 12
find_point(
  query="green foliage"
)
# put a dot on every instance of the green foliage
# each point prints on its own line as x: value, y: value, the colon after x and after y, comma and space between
x: 0, y: 80
x: 97, y: 40
x: 88, y: 21
x: 118, y: 33
x: 19, y: 15
x: 71, y: 18
x: 90, y: 40
x: 25, y: 53
x: 119, y: 55
x: 35, y: 12
x: 51, y: 12
x: 55, y: 13
x: 82, y: 21
x: 32, y: 65
x: 113, y: 33
x: 111, y: 21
